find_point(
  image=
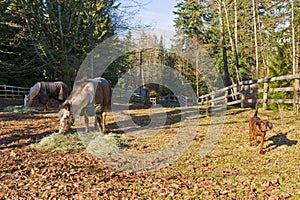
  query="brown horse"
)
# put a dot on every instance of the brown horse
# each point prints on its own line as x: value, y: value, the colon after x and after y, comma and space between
x: 95, y: 93
x: 45, y: 90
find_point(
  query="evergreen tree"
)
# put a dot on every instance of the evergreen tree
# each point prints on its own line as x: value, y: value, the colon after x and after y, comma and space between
x: 51, y: 38
x: 17, y: 55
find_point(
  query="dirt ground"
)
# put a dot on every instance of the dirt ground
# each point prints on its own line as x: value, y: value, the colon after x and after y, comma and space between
x: 229, y: 172
x: 30, y: 173
x: 19, y: 130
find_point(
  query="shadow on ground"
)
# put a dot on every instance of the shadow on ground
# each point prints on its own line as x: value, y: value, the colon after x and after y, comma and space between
x: 280, y: 140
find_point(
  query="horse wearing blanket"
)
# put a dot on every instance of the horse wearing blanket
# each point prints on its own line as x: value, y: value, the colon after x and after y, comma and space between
x: 45, y: 90
x: 95, y: 93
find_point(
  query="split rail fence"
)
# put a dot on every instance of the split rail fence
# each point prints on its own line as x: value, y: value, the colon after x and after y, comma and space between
x: 245, y: 93
x: 11, y: 92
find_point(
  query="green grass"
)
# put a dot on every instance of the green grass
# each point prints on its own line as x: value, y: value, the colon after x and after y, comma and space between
x: 233, y: 169
x: 20, y: 109
x: 238, y: 169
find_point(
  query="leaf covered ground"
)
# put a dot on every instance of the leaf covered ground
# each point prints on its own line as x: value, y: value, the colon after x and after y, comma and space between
x: 232, y: 170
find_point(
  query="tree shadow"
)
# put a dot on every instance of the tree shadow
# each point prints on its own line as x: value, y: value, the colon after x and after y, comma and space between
x: 21, y: 140
x: 143, y: 120
x: 280, y: 140
x: 17, y: 134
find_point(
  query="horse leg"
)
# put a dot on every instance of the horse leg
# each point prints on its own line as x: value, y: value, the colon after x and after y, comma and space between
x: 45, y: 107
x: 103, y: 121
x: 98, y: 117
x: 86, y: 120
x: 25, y: 100
x: 96, y: 122
x: 100, y: 121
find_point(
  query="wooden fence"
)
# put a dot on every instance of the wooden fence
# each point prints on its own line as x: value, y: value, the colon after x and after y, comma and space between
x: 243, y: 94
x: 8, y: 91
x: 246, y: 93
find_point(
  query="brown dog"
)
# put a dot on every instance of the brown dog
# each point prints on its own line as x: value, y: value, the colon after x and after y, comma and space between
x: 258, y: 127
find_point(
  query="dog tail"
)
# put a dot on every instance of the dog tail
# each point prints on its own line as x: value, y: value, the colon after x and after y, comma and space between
x: 256, y: 109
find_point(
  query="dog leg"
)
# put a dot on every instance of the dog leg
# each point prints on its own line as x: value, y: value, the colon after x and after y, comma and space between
x: 250, y: 134
x: 262, y: 143
x: 255, y: 139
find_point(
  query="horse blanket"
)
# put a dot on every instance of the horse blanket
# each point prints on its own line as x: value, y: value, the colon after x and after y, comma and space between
x: 45, y: 90
x: 56, y: 90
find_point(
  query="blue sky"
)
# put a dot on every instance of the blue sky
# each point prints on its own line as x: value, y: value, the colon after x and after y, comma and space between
x: 157, y: 13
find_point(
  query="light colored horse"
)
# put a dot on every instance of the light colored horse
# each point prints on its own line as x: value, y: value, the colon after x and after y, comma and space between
x: 44, y: 90
x: 95, y: 93
x: 34, y: 90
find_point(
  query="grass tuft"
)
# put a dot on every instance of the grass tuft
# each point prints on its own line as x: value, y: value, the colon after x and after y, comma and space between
x: 20, y: 109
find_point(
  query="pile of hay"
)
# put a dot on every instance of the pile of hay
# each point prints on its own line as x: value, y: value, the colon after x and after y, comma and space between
x: 99, y: 144
x: 94, y: 142
x: 20, y: 109
x: 58, y: 141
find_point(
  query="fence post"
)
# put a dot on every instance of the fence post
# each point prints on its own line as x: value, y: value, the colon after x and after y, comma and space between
x: 186, y: 101
x: 12, y: 92
x: 242, y: 91
x: 202, y: 100
x: 296, y: 97
x: 5, y: 94
x: 207, y: 105
x: 265, y: 95
x: 226, y: 98
x: 182, y: 100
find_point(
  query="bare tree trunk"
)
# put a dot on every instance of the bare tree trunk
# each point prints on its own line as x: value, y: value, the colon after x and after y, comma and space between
x: 223, y: 46
x: 232, y: 44
x: 295, y: 66
x: 35, y: 44
x: 78, y: 19
x: 236, y: 26
x: 255, y: 38
x: 196, y: 72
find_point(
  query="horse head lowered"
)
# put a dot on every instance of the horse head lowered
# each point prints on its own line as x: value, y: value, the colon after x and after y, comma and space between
x: 88, y: 97
x: 34, y: 91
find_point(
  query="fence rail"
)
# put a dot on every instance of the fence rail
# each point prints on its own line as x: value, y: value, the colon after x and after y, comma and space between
x: 245, y: 93
x: 8, y: 91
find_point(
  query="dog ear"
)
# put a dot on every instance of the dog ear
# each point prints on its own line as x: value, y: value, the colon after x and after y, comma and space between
x: 270, y: 125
